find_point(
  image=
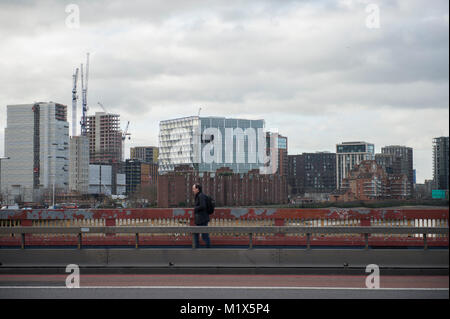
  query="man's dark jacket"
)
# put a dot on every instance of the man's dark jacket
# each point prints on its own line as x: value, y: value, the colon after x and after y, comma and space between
x: 201, y: 215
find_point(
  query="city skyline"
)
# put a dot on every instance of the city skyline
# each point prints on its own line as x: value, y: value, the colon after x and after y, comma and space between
x: 323, y: 77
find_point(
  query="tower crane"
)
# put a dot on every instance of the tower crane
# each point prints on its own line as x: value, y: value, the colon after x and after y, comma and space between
x: 124, y: 136
x: 84, y: 90
x: 74, y: 102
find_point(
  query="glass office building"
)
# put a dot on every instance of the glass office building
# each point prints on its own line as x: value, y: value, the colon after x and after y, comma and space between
x: 209, y: 143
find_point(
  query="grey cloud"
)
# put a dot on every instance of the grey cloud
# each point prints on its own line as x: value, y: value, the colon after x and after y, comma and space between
x: 300, y: 60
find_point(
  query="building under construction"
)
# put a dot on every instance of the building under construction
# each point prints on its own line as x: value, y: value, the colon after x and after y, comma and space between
x: 105, y: 138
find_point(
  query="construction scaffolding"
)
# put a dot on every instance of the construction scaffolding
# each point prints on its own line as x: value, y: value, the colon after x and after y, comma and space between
x: 105, y: 138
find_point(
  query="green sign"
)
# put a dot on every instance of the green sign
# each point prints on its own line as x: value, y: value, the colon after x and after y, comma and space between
x: 438, y: 194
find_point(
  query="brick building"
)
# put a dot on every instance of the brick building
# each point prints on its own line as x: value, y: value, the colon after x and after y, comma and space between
x: 369, y: 181
x: 350, y: 154
x: 225, y: 186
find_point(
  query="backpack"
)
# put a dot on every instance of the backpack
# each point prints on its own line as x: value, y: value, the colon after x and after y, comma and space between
x: 210, y: 204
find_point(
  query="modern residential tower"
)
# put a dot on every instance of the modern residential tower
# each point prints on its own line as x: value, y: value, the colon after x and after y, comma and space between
x: 312, y: 173
x: 402, y: 161
x: 37, y: 144
x: 440, y: 162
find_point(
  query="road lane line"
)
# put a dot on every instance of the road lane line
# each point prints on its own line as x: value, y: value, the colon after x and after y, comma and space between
x: 216, y: 287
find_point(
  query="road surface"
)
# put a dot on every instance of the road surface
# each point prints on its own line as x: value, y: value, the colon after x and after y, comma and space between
x: 223, y: 286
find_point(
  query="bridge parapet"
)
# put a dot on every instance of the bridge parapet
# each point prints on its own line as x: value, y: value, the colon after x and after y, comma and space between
x: 183, y: 217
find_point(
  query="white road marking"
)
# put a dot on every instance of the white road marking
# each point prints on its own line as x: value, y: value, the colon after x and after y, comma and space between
x: 216, y: 287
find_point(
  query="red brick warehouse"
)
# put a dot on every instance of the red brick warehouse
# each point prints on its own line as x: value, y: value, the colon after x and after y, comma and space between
x: 225, y: 186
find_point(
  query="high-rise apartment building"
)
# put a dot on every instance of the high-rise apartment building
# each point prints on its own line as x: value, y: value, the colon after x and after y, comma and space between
x: 296, y: 174
x: 312, y: 173
x: 386, y: 161
x: 402, y: 161
x: 319, y: 172
x: 350, y: 154
x: 440, y: 162
x: 105, y: 138
x: 37, y: 144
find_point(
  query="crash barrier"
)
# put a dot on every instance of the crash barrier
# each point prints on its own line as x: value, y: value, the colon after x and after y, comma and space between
x: 177, y: 221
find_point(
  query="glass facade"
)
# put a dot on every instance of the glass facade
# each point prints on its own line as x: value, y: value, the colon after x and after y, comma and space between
x: 282, y: 143
x: 355, y: 148
x: 176, y: 142
x: 209, y: 143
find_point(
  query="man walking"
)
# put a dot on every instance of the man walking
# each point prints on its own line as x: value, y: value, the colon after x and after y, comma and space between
x: 201, y: 216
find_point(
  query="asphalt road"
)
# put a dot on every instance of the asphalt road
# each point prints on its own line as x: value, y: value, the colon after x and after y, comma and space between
x: 223, y: 287
x: 169, y: 292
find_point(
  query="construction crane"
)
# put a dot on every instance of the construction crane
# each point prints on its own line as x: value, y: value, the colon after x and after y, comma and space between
x: 124, y: 136
x: 84, y: 95
x: 74, y: 103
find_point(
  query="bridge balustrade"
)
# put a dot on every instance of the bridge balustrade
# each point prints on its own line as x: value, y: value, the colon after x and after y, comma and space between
x: 183, y: 217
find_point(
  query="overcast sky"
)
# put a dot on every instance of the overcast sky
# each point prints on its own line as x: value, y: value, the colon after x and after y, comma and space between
x: 320, y: 72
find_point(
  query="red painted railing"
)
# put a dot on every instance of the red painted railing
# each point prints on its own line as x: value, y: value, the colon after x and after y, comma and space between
x: 413, y: 217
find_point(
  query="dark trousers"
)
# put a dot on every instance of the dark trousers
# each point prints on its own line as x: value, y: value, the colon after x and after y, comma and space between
x: 205, y: 237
